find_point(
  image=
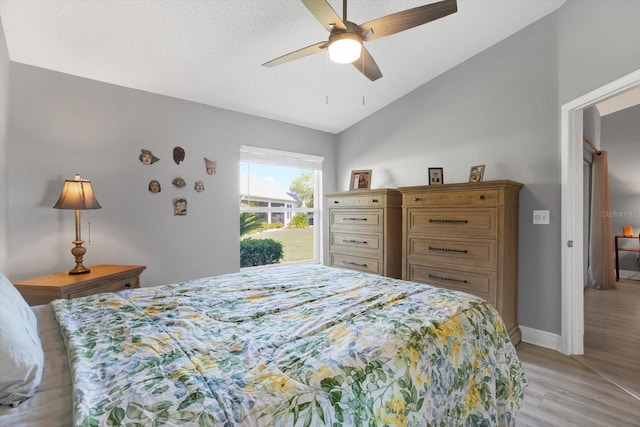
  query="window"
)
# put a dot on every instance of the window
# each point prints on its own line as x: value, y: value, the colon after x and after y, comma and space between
x: 280, y: 200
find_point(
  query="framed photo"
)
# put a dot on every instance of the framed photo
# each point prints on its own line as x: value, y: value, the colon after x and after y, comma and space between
x: 360, y: 179
x: 436, y: 176
x: 476, y: 174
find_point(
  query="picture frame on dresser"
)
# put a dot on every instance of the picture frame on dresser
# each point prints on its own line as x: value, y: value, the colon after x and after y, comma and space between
x: 360, y: 179
x: 476, y: 174
x: 436, y: 176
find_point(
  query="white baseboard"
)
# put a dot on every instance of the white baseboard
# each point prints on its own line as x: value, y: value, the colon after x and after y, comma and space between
x: 540, y: 338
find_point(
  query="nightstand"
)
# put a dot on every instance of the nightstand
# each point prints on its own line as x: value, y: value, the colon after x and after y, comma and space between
x: 102, y: 278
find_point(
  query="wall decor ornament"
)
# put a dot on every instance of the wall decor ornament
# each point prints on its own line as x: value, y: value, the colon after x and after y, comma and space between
x: 179, y: 206
x: 154, y: 186
x: 178, y: 182
x: 178, y: 154
x: 146, y: 157
x: 476, y: 174
x: 210, y: 166
x: 199, y: 186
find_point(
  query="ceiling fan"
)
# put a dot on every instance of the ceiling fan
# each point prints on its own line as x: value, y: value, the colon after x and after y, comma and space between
x: 346, y: 38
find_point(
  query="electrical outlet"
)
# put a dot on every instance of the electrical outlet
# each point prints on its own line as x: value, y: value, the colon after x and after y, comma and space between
x: 541, y: 217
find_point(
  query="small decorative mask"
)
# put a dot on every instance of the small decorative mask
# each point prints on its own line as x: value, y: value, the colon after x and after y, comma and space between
x: 210, y: 165
x: 146, y: 157
x: 154, y: 186
x: 178, y: 154
x: 179, y: 207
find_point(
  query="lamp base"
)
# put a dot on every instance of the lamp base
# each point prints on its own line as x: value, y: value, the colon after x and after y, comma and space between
x: 79, y: 269
x: 79, y: 252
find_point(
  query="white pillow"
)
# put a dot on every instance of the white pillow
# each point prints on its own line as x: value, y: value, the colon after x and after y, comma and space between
x: 21, y: 355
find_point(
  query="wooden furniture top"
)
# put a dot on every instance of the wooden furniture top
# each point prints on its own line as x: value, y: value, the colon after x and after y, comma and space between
x: 463, y: 186
x: 363, y: 192
x: 98, y: 272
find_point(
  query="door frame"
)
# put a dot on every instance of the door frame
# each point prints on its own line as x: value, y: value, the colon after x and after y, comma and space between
x: 572, y: 244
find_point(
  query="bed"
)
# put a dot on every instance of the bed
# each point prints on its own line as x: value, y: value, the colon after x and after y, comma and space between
x: 304, y: 345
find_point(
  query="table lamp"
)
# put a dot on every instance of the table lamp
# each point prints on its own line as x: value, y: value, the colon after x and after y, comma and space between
x: 77, y: 194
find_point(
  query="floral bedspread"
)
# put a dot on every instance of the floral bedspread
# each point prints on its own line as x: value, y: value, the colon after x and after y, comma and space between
x: 290, y: 346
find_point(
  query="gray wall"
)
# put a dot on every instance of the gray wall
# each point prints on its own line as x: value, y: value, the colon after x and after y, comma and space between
x: 4, y: 119
x: 597, y: 44
x: 61, y: 125
x: 502, y: 108
x: 621, y: 138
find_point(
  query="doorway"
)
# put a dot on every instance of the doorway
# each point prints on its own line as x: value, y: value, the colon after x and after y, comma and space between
x: 572, y: 238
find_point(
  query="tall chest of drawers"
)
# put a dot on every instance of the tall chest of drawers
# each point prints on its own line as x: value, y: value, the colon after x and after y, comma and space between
x: 465, y: 237
x: 365, y: 231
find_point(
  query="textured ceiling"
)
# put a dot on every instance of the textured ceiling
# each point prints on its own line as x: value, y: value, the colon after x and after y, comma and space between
x: 211, y: 51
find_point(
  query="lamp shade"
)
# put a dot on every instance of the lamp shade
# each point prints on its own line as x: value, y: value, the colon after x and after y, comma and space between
x: 345, y: 48
x: 77, y: 194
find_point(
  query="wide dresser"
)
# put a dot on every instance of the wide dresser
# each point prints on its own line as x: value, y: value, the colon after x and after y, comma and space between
x: 465, y: 237
x: 365, y: 231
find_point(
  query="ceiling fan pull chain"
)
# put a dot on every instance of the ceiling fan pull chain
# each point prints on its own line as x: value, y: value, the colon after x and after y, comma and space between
x: 362, y: 56
x: 326, y: 70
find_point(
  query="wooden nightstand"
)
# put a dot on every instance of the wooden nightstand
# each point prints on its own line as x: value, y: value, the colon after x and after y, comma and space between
x: 102, y: 278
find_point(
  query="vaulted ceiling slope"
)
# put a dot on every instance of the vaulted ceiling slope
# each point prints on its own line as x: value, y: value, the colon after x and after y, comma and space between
x: 212, y: 52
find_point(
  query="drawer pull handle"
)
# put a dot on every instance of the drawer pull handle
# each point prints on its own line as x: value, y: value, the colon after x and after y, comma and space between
x: 462, y: 251
x: 336, y: 201
x: 127, y: 285
x: 364, y: 242
x: 450, y: 221
x: 482, y: 197
x: 355, y: 219
x: 416, y: 199
x: 374, y: 200
x: 354, y: 263
x: 446, y: 279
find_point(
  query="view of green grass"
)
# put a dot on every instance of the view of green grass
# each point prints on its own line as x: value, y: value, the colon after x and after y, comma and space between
x: 296, y: 242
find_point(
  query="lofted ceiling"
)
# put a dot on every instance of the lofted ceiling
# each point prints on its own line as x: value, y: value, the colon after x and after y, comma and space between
x: 212, y: 51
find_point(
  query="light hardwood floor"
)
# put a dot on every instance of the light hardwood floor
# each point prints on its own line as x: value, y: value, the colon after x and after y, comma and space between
x: 612, y: 334
x: 571, y: 391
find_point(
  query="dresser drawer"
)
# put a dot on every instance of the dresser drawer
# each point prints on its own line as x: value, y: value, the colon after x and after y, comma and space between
x: 355, y: 262
x: 351, y: 242
x: 468, y: 252
x: 114, y: 286
x: 356, y: 219
x: 465, y: 280
x: 357, y: 200
x: 453, y: 221
x: 487, y: 197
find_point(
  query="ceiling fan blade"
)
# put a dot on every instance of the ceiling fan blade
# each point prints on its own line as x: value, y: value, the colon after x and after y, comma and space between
x: 325, y: 14
x: 397, y: 22
x: 300, y: 53
x: 367, y: 65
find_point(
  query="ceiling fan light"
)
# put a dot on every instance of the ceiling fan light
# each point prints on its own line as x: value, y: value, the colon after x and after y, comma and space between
x: 345, y: 48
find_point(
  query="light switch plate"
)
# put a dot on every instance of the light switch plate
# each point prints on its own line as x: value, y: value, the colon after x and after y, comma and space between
x: 541, y: 217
